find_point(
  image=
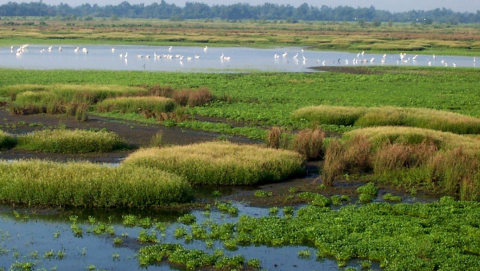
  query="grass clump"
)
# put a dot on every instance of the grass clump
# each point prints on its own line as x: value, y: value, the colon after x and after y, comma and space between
x: 224, y: 163
x: 149, y: 106
x: 390, y: 197
x: 7, y: 141
x: 390, y: 116
x: 410, y: 158
x: 71, y: 141
x: 89, y: 185
x: 309, y: 143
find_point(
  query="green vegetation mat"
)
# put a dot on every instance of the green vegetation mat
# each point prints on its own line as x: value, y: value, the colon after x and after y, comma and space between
x: 433, y: 236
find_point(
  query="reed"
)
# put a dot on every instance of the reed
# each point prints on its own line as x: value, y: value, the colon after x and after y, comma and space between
x: 390, y: 116
x: 6, y: 140
x: 148, y: 105
x: 38, y: 182
x: 71, y: 141
x: 221, y: 163
x: 309, y: 143
x: 406, y: 157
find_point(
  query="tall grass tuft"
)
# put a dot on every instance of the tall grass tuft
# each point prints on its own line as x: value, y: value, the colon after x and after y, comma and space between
x: 409, y: 158
x: 309, y: 143
x: 273, y: 137
x: 71, y: 141
x: 149, y: 105
x: 7, y: 141
x: 89, y: 185
x: 390, y: 116
x: 192, y: 97
x: 36, y: 102
x: 157, y: 140
x: 221, y: 163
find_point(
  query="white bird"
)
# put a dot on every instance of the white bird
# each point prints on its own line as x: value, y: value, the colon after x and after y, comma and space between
x: 113, y: 50
x: 295, y: 56
x: 139, y: 56
x: 170, y: 49
x: 147, y: 56
x: 434, y: 56
x: 383, y: 60
x: 197, y: 56
x: 42, y: 51
x: 50, y: 48
x: 222, y: 56
x: 84, y: 50
x: 205, y: 49
x: 181, y: 58
x: 454, y: 64
x: 304, y: 59
x: 363, y: 52
x: 226, y: 57
x: 323, y: 63
x: 474, y: 59
x: 121, y: 55
x: 371, y: 60
x: 60, y: 48
x: 285, y: 55
x: 126, y: 54
x: 11, y: 48
x: 430, y: 63
x: 76, y: 49
x: 276, y: 56
x: 415, y: 57
x: 443, y: 61
x: 189, y: 58
x: 385, y: 56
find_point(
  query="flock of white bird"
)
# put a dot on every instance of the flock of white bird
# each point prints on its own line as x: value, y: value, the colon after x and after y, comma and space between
x: 359, y: 59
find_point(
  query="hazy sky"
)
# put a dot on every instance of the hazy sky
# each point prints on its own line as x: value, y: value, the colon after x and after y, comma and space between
x: 391, y: 5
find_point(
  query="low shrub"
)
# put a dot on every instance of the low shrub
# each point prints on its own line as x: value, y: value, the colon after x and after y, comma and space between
x: 224, y: 163
x: 71, y: 141
x: 38, y: 182
x: 7, y: 141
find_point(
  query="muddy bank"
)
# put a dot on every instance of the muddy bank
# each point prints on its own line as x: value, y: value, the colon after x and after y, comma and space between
x: 136, y: 134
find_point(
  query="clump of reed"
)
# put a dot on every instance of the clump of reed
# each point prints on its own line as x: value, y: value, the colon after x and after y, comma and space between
x: 150, y: 106
x: 309, y: 143
x: 71, y: 141
x: 390, y: 116
x: 6, y: 140
x: 409, y: 158
x: 38, y: 182
x: 192, y: 97
x: 273, y: 137
x: 221, y: 163
x: 30, y: 102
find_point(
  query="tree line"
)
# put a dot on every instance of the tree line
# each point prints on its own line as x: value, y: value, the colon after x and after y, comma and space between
x: 239, y: 11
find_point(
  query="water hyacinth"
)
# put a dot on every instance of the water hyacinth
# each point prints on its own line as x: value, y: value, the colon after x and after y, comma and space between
x: 85, y: 184
x: 224, y: 163
x: 71, y: 141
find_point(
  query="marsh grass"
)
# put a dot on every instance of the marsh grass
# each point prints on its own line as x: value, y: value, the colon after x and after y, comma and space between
x: 149, y: 106
x: 390, y: 116
x: 439, y: 162
x: 71, y: 141
x: 309, y: 143
x: 38, y: 182
x: 273, y: 137
x: 192, y: 97
x: 6, y: 140
x: 221, y: 163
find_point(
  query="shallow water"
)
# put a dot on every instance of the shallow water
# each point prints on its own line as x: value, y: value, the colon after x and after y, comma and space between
x: 242, y: 59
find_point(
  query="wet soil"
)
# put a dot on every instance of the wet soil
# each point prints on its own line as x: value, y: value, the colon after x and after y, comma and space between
x: 136, y: 134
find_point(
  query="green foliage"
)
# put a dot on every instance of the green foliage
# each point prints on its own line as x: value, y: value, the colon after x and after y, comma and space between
x: 7, y: 141
x: 369, y: 189
x: 263, y: 194
x: 390, y: 197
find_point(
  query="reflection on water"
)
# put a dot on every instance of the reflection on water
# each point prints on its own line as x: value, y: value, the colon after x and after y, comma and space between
x: 200, y: 59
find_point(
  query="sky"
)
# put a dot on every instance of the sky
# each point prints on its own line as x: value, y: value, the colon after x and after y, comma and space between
x: 390, y: 5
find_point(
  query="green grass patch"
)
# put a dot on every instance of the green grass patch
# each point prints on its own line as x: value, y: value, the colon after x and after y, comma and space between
x: 223, y: 163
x: 89, y: 185
x: 71, y: 141
x: 390, y: 116
x: 147, y: 105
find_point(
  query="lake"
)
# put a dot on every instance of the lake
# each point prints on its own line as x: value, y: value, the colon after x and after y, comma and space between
x: 201, y: 59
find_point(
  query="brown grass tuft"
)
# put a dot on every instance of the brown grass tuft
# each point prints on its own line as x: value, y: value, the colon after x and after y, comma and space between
x: 309, y: 143
x: 273, y: 137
